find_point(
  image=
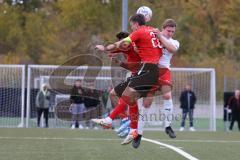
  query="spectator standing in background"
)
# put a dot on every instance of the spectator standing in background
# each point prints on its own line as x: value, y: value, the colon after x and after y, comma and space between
x: 234, y: 108
x: 92, y: 104
x: 77, y: 106
x: 43, y: 104
x: 187, y: 104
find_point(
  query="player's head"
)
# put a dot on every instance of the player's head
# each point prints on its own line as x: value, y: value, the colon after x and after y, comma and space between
x: 169, y: 28
x: 237, y: 93
x: 44, y: 87
x: 77, y: 83
x: 136, y: 21
x: 188, y: 87
x: 122, y: 35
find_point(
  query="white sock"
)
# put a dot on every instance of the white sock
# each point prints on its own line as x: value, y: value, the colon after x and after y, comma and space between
x: 143, y: 113
x: 168, y: 110
x: 108, y: 120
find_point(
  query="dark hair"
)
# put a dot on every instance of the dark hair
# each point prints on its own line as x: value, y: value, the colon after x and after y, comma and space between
x: 139, y: 18
x: 169, y: 23
x: 122, y: 35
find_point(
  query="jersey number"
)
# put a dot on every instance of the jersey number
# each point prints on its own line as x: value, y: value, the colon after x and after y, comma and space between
x: 155, y: 41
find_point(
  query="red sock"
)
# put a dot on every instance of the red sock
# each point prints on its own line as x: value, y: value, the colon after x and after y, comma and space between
x: 133, y: 113
x: 123, y: 115
x: 120, y: 110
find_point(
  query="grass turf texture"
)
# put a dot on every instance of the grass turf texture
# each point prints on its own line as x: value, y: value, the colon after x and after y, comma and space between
x: 65, y: 144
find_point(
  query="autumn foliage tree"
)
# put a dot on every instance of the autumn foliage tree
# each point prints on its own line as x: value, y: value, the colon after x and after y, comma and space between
x: 51, y: 32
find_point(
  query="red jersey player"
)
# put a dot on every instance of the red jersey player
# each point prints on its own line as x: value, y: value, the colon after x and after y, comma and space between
x: 170, y: 47
x: 149, y: 51
x: 132, y: 63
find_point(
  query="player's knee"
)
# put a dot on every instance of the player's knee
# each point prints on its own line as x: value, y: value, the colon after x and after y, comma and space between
x: 129, y: 100
x: 128, y: 97
x: 112, y: 93
x: 167, y: 96
x: 130, y: 92
x: 147, y: 103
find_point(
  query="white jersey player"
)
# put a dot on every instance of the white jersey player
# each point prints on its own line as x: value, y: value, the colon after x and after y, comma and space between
x: 170, y: 47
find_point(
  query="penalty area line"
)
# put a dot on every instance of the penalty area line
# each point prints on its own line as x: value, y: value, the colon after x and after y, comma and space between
x: 178, y: 150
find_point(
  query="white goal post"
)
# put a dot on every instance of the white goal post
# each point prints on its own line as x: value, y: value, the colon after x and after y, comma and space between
x: 210, y: 91
x: 201, y: 79
x: 39, y: 74
x: 12, y: 95
x: 203, y: 83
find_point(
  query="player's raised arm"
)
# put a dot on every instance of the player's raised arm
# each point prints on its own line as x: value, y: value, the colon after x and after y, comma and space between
x: 166, y: 43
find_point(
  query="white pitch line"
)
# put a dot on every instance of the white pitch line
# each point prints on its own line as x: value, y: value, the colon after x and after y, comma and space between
x: 181, y: 152
x: 116, y: 139
x: 198, y: 141
x: 59, y: 138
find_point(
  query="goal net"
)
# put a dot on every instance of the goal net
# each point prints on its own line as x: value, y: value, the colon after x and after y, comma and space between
x: 202, y: 81
x: 12, y: 86
x: 96, y: 80
x: 61, y: 80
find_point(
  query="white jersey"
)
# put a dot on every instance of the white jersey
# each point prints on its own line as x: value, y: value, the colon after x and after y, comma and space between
x: 165, y: 59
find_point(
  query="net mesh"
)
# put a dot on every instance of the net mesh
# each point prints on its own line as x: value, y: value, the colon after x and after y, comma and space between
x: 61, y: 80
x: 200, y: 82
x: 11, y: 95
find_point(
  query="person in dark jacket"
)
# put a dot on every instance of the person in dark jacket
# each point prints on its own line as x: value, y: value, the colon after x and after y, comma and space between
x: 43, y: 104
x: 91, y: 102
x: 77, y: 106
x: 234, y: 107
x: 187, y: 104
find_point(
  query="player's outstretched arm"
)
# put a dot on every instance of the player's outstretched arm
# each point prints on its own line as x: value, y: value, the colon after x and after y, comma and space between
x: 100, y: 47
x: 122, y: 44
x: 109, y: 48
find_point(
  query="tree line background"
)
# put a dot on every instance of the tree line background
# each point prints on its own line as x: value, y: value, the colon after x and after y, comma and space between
x: 52, y: 31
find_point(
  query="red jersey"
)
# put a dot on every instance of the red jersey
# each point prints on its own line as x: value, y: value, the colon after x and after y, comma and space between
x: 132, y: 58
x: 149, y: 48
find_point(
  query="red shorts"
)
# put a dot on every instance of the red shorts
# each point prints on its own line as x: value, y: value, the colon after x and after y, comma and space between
x: 164, y: 77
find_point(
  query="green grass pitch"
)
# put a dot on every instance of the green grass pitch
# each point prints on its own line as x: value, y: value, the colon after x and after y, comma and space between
x: 66, y: 144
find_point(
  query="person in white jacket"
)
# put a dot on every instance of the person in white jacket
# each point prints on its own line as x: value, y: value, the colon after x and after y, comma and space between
x: 43, y: 104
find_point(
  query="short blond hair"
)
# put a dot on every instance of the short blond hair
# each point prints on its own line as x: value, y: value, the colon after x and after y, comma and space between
x: 169, y: 23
